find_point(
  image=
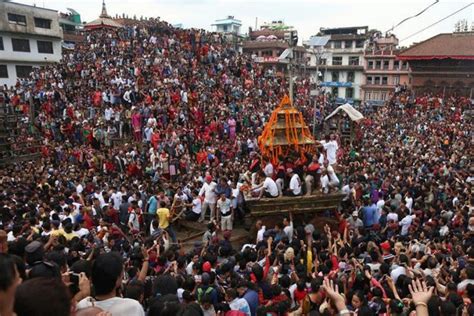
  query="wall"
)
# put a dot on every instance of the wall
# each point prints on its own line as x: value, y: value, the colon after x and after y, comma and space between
x: 33, y: 56
x: 30, y: 12
x: 29, y: 31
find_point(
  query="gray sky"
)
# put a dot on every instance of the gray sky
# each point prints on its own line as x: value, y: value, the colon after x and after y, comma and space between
x: 306, y: 15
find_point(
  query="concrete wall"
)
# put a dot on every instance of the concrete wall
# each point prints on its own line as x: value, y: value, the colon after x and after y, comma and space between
x: 30, y: 32
x: 33, y: 56
x: 30, y: 12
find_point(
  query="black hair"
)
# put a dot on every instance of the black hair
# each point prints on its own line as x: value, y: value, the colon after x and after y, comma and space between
x: 134, y: 290
x: 7, y: 271
x: 106, y: 270
x: 165, y: 284
x: 167, y: 305
x: 42, y: 297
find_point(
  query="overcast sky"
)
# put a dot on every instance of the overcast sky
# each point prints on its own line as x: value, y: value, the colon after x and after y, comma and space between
x: 307, y: 16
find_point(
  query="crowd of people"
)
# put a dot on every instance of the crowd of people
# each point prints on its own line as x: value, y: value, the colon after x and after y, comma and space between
x: 148, y: 125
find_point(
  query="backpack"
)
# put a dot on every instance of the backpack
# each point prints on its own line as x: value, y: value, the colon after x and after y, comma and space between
x: 201, y: 293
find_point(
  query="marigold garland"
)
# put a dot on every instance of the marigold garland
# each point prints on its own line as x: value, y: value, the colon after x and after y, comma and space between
x: 298, y: 138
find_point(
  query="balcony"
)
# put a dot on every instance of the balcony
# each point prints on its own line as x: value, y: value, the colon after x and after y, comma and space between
x: 344, y: 67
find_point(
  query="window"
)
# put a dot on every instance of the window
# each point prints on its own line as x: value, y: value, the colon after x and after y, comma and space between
x: 396, y: 80
x: 371, y: 64
x: 350, y: 76
x: 349, y: 93
x: 378, y: 64
x: 45, y: 47
x: 396, y: 65
x: 43, y: 23
x: 23, y: 71
x: 3, y: 71
x: 369, y: 79
x: 384, y: 80
x: 20, y: 45
x: 337, y: 61
x: 383, y: 96
x: 348, y: 44
x: 337, y: 44
x: 354, y: 60
x: 385, y: 64
x: 360, y: 44
x: 224, y: 28
x: 335, y: 76
x: 368, y: 95
x: 335, y: 91
x: 1, y: 43
x: 16, y: 19
x: 377, y: 80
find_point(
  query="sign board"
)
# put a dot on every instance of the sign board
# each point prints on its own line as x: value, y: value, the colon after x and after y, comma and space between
x: 268, y: 59
x: 336, y: 84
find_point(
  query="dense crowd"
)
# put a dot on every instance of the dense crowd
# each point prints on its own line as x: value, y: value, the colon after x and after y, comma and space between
x: 149, y: 125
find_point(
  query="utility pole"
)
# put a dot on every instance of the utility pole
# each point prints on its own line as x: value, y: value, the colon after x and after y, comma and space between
x: 292, y: 39
x: 290, y: 74
x: 318, y: 43
x: 317, y: 92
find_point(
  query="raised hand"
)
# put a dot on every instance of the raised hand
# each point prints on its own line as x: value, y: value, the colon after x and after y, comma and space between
x: 420, y: 293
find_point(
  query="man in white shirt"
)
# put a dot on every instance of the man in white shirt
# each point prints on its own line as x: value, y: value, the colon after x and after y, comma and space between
x: 392, y: 216
x: 288, y: 229
x: 210, y: 198
x: 225, y: 213
x: 329, y: 179
x: 268, y: 170
x: 268, y: 189
x: 409, y: 202
x: 405, y: 224
x: 380, y: 203
x: 260, y: 231
x: 331, y: 148
x: 107, y: 273
x: 295, y: 183
x: 116, y: 198
x: 196, y: 208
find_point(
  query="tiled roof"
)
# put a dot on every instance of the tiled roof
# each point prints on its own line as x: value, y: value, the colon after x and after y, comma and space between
x: 441, y: 46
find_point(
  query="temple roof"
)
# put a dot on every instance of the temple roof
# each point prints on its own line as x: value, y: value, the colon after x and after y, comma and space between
x: 442, y: 46
x: 104, y: 20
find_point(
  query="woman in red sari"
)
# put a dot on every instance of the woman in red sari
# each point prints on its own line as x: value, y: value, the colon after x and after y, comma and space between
x: 136, y: 125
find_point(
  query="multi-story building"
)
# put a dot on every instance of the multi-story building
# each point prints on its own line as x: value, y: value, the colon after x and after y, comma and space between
x: 442, y: 65
x: 382, y: 71
x: 29, y: 37
x: 228, y: 25
x: 342, y: 67
x: 71, y: 25
x: 267, y: 52
x: 268, y: 43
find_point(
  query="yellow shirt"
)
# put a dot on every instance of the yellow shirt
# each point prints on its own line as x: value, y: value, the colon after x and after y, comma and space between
x: 70, y: 236
x: 163, y: 217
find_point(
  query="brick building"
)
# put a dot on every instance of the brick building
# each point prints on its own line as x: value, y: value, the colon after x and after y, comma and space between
x: 443, y: 64
x: 382, y: 71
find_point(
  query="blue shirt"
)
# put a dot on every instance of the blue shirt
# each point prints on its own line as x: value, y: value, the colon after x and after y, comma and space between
x: 369, y: 215
x: 152, y: 205
x: 252, y: 299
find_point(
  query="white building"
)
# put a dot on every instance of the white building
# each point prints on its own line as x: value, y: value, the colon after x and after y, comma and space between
x: 228, y: 25
x: 343, y: 66
x: 29, y: 37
